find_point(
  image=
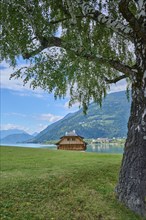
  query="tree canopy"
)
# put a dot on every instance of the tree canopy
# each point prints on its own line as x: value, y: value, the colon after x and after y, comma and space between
x: 75, y: 46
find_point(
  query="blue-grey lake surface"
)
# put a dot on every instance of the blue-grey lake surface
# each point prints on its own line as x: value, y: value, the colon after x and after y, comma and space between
x: 105, y: 148
x: 96, y: 148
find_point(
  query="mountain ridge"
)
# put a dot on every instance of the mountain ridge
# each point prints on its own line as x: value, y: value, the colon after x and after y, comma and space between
x: 108, y: 121
x: 16, y: 138
x: 4, y: 133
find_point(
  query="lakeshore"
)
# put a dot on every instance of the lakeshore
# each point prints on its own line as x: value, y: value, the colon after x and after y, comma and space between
x: 91, y: 147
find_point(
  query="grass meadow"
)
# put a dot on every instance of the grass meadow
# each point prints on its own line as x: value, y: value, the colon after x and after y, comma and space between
x: 42, y: 184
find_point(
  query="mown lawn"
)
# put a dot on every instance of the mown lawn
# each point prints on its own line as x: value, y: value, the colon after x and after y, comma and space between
x: 60, y: 185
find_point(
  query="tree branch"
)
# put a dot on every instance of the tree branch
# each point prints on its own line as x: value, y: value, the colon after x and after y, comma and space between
x: 127, y: 14
x: 110, y: 81
x: 127, y: 70
x: 58, y: 42
x: 45, y: 43
x: 89, y: 10
x: 102, y: 19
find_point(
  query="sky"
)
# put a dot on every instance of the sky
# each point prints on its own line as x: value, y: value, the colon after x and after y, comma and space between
x: 31, y: 110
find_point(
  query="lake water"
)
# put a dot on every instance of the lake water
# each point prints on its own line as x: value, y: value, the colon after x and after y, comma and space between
x: 105, y: 148
x: 96, y: 148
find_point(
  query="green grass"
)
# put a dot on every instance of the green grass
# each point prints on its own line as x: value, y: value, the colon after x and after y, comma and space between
x: 60, y: 185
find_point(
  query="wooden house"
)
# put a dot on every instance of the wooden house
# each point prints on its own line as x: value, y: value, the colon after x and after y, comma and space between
x: 71, y: 141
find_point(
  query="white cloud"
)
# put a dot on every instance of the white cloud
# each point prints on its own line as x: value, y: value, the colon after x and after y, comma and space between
x: 32, y: 93
x: 5, y: 73
x: 119, y: 86
x: 15, y: 114
x: 14, y: 126
x: 50, y: 117
x: 17, y: 84
x: 38, y: 128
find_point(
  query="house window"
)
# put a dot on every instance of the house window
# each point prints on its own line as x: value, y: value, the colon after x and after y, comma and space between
x: 70, y: 139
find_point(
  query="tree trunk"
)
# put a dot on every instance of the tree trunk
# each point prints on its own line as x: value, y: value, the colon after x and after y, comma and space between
x: 131, y: 188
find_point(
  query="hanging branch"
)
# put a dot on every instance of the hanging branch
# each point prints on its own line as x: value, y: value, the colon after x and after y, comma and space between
x: 118, y: 27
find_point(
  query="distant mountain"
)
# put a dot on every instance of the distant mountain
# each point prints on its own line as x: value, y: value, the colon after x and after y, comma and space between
x: 108, y: 121
x: 4, y: 133
x: 35, y: 134
x: 16, y: 138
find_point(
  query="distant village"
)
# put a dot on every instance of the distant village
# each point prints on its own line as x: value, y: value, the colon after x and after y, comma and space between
x: 100, y: 140
x: 108, y: 140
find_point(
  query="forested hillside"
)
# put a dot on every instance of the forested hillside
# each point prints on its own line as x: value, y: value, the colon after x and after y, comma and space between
x: 110, y: 120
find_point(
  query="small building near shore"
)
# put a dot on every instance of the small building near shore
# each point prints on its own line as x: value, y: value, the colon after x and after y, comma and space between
x: 71, y: 141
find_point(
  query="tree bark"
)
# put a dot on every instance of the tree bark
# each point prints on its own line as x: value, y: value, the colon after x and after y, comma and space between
x: 131, y: 188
